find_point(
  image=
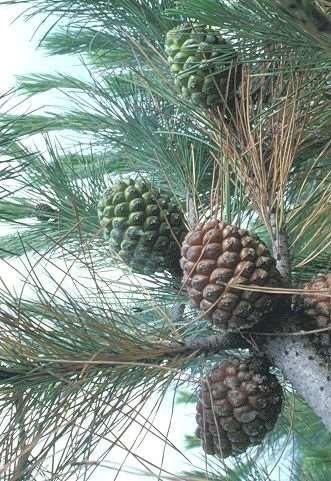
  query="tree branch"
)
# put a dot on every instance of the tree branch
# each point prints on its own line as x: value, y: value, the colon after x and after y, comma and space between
x: 192, y: 214
x: 305, y: 370
x: 20, y: 472
x: 298, y: 361
x: 213, y: 343
x: 280, y: 249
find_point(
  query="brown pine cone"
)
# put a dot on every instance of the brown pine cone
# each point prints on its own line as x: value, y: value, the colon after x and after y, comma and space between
x: 318, y: 308
x: 217, y: 256
x: 239, y: 402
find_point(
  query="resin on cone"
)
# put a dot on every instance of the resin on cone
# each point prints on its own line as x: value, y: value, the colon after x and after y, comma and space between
x: 143, y: 226
x: 202, y: 63
x: 239, y: 402
x: 216, y: 257
x: 318, y: 309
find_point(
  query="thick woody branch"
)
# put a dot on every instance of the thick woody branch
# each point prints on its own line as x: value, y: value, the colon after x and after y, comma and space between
x: 298, y: 361
x: 304, y: 369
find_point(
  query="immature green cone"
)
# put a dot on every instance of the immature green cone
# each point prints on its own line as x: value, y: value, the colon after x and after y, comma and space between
x: 318, y: 308
x: 239, y: 402
x: 143, y: 226
x: 201, y: 60
x: 217, y: 257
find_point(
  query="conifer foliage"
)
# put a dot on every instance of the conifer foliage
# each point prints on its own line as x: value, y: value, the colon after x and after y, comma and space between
x: 183, y: 241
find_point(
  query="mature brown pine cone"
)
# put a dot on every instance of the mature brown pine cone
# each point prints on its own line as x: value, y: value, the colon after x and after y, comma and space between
x: 318, y: 309
x: 216, y: 257
x: 239, y: 402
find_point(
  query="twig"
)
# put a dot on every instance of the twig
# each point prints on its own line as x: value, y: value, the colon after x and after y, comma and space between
x: 280, y: 249
x: 192, y: 214
x: 215, y: 343
x: 20, y: 473
x: 177, y: 312
x: 163, y: 350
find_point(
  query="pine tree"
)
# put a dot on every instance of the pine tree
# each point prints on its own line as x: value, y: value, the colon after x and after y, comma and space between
x: 91, y: 351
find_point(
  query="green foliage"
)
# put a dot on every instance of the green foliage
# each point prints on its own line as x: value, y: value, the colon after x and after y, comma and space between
x: 75, y: 198
x: 261, y: 23
x: 80, y: 364
x: 311, y: 440
x: 89, y: 363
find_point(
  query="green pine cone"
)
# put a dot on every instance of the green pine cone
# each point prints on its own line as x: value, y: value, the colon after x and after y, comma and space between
x: 144, y: 227
x: 202, y: 63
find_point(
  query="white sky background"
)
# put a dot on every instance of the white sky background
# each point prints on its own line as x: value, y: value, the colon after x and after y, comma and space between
x: 19, y: 56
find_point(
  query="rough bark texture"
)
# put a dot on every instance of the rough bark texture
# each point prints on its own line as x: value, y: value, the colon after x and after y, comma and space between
x: 215, y: 343
x: 305, y: 370
x: 292, y: 354
x: 280, y: 250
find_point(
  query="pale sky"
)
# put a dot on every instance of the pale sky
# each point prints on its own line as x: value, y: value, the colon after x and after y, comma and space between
x: 18, y: 49
x: 19, y: 56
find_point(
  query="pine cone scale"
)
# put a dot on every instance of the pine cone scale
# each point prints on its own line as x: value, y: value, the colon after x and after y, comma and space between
x: 142, y: 225
x: 229, y: 418
x: 317, y: 306
x: 221, y: 259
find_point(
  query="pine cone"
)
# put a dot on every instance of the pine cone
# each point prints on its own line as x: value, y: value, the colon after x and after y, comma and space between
x: 239, y: 402
x: 201, y: 61
x: 318, y: 309
x: 142, y: 225
x: 216, y: 257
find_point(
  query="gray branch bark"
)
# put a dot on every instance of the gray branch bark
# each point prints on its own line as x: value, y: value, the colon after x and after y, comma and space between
x: 305, y: 370
x: 280, y: 250
x: 214, y: 343
x: 298, y: 361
